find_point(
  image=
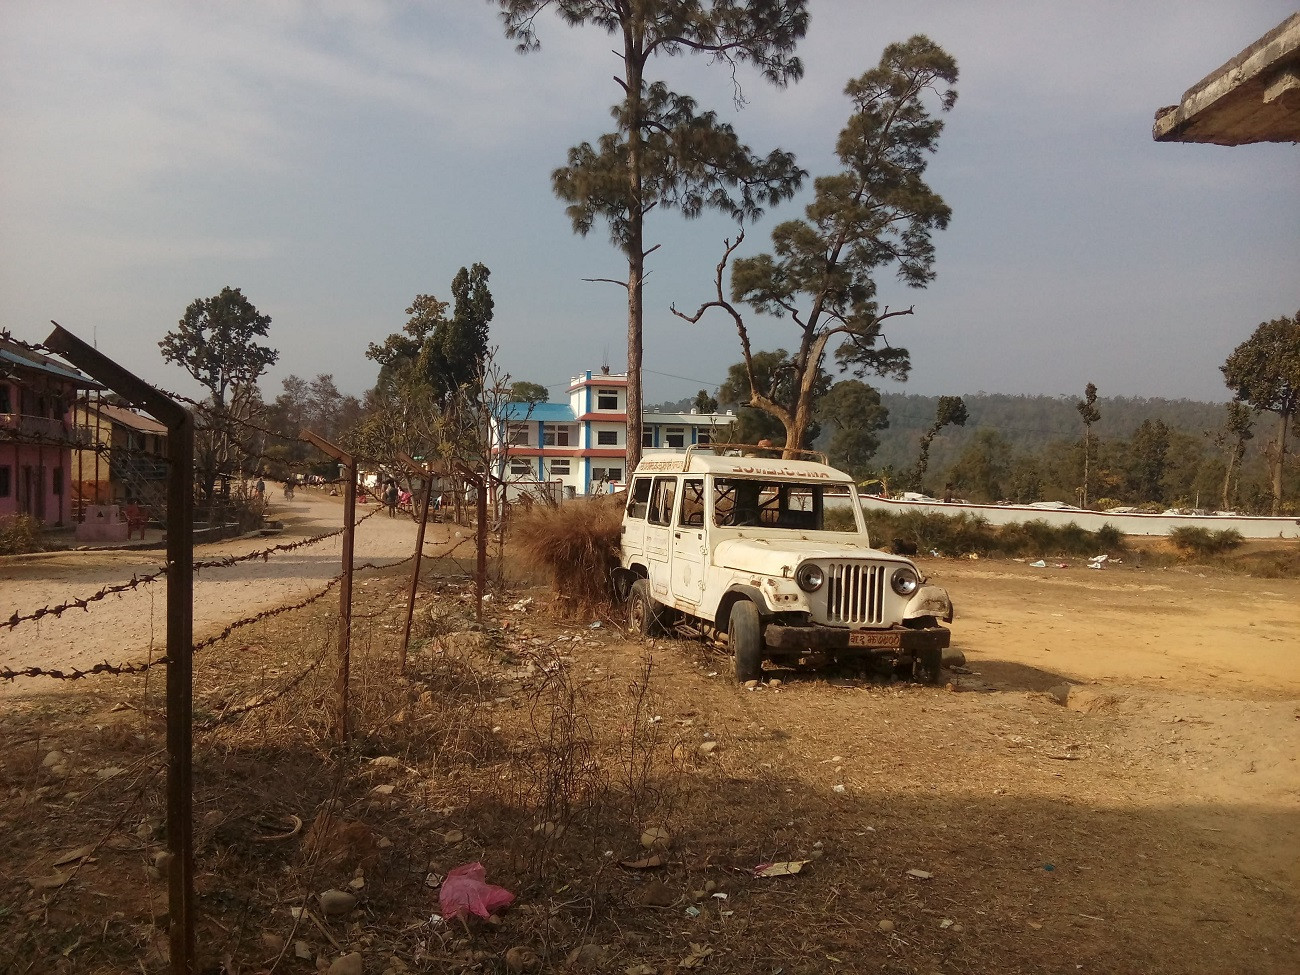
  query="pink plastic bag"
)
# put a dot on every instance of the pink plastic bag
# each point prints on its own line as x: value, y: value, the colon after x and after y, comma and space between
x: 466, y: 891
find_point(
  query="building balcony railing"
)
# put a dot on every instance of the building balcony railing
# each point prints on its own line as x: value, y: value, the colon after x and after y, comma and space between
x: 36, y: 427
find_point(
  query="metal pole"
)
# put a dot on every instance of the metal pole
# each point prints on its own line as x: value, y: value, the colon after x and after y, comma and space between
x: 180, y: 630
x: 480, y: 578
x: 345, y: 589
x: 419, y: 550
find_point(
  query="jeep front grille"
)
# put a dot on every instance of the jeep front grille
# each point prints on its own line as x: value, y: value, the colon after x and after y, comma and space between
x: 855, y: 593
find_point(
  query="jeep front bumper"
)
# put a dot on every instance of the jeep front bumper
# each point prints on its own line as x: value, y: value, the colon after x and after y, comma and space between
x: 781, y: 638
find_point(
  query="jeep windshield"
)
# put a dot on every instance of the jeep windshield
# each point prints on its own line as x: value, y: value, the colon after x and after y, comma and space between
x: 740, y: 502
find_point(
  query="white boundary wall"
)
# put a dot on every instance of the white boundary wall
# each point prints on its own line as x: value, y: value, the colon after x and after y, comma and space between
x: 1129, y: 524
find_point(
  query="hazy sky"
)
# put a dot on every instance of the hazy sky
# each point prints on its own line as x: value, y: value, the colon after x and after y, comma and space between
x: 334, y: 158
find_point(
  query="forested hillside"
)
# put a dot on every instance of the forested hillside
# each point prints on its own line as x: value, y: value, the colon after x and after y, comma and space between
x: 1157, y: 453
x: 1030, y: 423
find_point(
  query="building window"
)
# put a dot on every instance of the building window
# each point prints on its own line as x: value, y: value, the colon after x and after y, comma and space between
x: 58, y: 480
x: 6, y: 404
x: 607, y: 438
x: 520, y: 467
x: 555, y: 435
x: 519, y: 434
x: 675, y: 437
x: 4, y: 481
x: 647, y: 438
x: 607, y: 473
x: 704, y: 437
x: 559, y: 467
x: 607, y: 399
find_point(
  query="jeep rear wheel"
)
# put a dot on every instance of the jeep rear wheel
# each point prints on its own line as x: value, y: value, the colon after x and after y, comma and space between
x: 745, y: 638
x: 645, y: 616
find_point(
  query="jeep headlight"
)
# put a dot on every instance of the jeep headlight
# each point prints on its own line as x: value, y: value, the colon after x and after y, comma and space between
x: 905, y: 581
x: 809, y: 577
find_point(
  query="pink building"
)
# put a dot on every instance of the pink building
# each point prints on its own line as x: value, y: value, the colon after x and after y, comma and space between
x: 36, y: 398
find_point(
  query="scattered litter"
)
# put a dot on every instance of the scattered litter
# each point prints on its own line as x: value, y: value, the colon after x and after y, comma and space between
x: 920, y: 874
x: 466, y: 891
x: 1097, y: 561
x: 1040, y: 564
x: 522, y: 604
x: 721, y: 895
x: 945, y: 923
x: 692, y: 911
x: 782, y: 868
x: 837, y: 788
x: 595, y: 625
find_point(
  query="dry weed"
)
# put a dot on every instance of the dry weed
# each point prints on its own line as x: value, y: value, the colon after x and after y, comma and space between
x: 578, y: 543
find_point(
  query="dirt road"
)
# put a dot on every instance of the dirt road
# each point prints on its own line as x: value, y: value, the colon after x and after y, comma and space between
x: 129, y: 626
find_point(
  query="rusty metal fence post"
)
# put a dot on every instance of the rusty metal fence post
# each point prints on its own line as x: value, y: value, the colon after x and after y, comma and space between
x: 180, y: 630
x: 345, y: 588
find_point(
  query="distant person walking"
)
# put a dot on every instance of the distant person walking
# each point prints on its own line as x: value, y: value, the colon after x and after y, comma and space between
x: 391, y: 495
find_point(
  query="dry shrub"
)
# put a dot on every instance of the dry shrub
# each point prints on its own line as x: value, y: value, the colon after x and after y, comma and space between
x: 578, y: 543
x: 19, y: 534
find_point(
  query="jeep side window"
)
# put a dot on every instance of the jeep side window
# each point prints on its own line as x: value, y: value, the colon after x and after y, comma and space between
x: 661, y: 500
x: 639, y: 497
x: 691, y: 514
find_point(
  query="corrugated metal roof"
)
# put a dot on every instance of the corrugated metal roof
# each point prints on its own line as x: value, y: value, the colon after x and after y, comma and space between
x: 129, y: 418
x: 19, y: 356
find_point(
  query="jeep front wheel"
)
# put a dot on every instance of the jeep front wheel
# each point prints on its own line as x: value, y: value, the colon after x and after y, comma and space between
x: 644, y: 614
x: 745, y: 638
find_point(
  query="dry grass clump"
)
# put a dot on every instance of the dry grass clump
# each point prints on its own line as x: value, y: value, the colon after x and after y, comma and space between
x: 578, y: 543
x: 19, y: 534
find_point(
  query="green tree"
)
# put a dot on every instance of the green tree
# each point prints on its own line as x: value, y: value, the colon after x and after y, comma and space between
x: 448, y: 352
x: 1232, y: 439
x: 530, y: 393
x: 852, y: 413
x: 1148, y: 457
x: 216, y: 342
x: 951, y: 411
x: 877, y: 212
x: 704, y: 403
x: 774, y: 372
x: 664, y: 152
x: 1089, y: 413
x: 983, y: 470
x: 1264, y: 371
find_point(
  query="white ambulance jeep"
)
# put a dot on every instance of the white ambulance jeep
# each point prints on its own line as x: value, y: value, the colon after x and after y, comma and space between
x: 773, y: 554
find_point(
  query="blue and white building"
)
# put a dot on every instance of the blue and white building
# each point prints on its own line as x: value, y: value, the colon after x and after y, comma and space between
x: 581, y: 446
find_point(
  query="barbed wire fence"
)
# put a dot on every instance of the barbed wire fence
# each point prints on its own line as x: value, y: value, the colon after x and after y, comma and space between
x: 178, y: 571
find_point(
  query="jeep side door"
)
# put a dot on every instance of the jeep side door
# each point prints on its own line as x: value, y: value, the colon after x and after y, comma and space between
x: 658, y: 541
x: 638, y: 506
x: 689, y: 545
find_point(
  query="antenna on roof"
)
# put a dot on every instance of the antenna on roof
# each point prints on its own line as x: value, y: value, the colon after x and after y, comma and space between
x: 604, y: 368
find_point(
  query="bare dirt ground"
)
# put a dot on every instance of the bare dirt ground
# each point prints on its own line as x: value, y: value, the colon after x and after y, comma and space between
x: 1149, y: 824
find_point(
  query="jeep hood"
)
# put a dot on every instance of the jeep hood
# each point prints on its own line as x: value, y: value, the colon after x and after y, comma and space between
x: 770, y: 556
